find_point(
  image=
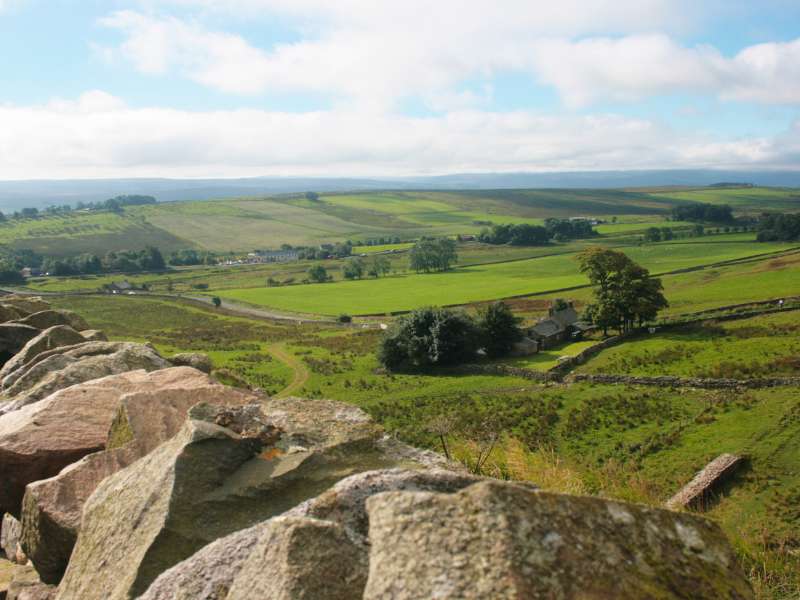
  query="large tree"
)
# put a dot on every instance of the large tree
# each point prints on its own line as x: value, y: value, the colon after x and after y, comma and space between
x: 499, y: 328
x: 625, y: 295
x: 433, y: 255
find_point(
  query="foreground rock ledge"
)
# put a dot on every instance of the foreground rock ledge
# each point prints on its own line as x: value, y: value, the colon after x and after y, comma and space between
x: 494, y: 540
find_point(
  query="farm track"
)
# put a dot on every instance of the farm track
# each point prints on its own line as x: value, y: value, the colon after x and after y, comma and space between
x: 299, y: 370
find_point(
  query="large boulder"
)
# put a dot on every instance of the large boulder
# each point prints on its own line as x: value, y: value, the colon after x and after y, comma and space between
x: 182, y: 496
x: 40, y: 439
x: 145, y: 518
x: 26, y: 305
x: 496, y: 540
x: 52, y: 508
x: 196, y: 360
x: 13, y: 337
x: 302, y: 559
x: 49, y: 339
x: 51, y: 317
x: 69, y: 365
x: 211, y: 572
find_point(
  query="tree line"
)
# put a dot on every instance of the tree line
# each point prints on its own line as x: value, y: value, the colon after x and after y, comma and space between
x: 115, y: 204
x: 537, y: 235
x: 122, y: 261
x: 777, y: 227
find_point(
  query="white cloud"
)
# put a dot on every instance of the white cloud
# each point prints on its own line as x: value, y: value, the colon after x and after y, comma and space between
x: 376, y: 53
x: 97, y: 135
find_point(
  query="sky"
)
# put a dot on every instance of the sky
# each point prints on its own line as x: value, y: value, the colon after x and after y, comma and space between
x: 235, y: 88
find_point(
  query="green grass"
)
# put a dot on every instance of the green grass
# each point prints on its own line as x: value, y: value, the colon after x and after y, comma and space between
x: 743, y: 199
x: 479, y: 283
x: 382, y: 248
x: 547, y: 359
x: 763, y: 346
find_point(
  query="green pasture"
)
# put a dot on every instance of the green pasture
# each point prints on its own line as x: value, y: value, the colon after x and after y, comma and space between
x: 743, y: 199
x: 478, y: 283
x: 763, y: 346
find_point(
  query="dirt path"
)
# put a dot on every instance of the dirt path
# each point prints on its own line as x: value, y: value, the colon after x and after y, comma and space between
x: 301, y: 373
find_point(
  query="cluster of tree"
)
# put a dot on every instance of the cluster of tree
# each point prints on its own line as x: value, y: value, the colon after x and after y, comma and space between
x: 189, y: 257
x: 357, y: 267
x: 625, y: 295
x: 536, y: 235
x: 777, y: 227
x: 324, y: 251
x: 516, y: 235
x: 10, y: 273
x: 114, y: 204
x: 700, y: 211
x: 123, y: 261
x: 659, y: 234
x: 569, y: 229
x: 318, y: 274
x: 431, y: 337
x: 431, y: 254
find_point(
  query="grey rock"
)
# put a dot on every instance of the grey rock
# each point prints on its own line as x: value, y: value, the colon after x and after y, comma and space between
x: 69, y: 365
x: 25, y: 304
x: 49, y: 339
x: 497, y: 540
x: 298, y: 558
x: 10, y: 313
x: 162, y: 508
x: 211, y: 572
x: 197, y: 360
x: 52, y: 508
x: 51, y: 317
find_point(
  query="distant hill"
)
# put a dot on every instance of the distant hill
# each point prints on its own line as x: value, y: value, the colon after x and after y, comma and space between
x: 15, y: 195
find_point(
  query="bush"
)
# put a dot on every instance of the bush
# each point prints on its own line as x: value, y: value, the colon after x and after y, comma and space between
x: 430, y: 337
x: 344, y: 318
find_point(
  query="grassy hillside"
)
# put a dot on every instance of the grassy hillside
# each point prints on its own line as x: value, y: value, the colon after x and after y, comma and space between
x: 248, y: 223
x: 634, y: 443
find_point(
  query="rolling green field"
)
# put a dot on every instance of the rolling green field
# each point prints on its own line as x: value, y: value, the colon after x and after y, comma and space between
x: 479, y: 283
x: 763, y: 346
x: 245, y: 224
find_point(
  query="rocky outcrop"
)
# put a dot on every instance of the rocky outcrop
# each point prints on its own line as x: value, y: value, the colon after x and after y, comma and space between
x: 495, y: 540
x: 696, y: 493
x: 52, y: 508
x: 321, y: 443
x: 69, y: 365
x: 49, y: 339
x: 40, y: 439
x: 10, y: 530
x: 212, y: 571
x: 10, y: 313
x: 50, y: 318
x: 196, y: 360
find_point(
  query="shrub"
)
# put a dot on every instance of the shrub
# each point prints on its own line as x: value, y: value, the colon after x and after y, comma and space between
x: 344, y: 318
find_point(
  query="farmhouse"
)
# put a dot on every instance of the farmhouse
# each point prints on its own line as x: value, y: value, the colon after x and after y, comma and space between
x: 561, y: 324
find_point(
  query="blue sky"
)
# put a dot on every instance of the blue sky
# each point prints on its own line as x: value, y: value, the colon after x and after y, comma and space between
x: 215, y: 88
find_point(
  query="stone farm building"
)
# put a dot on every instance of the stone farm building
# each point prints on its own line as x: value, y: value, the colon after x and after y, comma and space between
x: 561, y: 324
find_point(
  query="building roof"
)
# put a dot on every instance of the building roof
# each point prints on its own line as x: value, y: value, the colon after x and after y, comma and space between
x: 566, y: 316
x: 547, y: 328
x: 122, y: 285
